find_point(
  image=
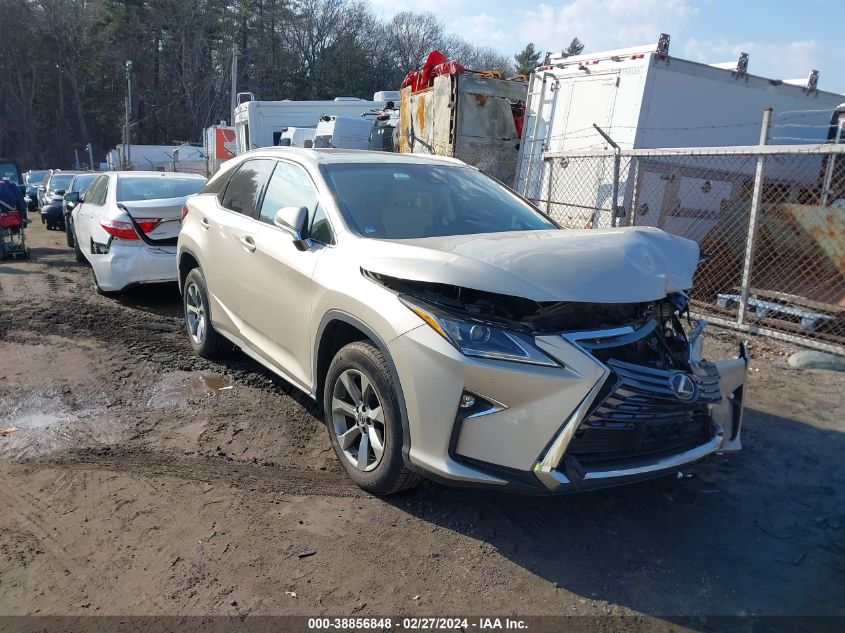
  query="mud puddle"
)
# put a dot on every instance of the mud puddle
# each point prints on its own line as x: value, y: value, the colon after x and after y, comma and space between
x: 39, y: 432
x: 178, y: 387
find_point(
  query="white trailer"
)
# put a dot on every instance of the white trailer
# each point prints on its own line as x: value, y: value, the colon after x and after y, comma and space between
x: 260, y: 123
x: 644, y: 98
x: 343, y: 131
x: 297, y: 137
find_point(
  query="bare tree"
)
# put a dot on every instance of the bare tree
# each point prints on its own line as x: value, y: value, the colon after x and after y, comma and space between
x: 412, y: 36
x: 181, y: 51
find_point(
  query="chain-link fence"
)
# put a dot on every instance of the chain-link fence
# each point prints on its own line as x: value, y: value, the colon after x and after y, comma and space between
x: 770, y: 222
x: 187, y: 167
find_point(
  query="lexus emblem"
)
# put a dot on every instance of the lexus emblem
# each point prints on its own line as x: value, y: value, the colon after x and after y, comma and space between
x: 684, y: 387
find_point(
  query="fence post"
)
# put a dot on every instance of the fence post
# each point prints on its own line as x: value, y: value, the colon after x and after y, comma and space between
x: 635, y: 178
x: 617, y: 159
x: 753, y: 221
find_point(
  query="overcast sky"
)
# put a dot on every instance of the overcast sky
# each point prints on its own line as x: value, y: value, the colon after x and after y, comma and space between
x: 785, y: 38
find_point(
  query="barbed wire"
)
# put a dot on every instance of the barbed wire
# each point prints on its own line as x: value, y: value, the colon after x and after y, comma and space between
x: 804, y: 112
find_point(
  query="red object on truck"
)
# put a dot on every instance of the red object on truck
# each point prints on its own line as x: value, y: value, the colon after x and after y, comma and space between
x: 435, y: 64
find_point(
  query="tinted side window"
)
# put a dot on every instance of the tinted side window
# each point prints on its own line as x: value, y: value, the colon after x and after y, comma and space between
x: 245, y: 187
x: 290, y: 186
x: 96, y: 193
x: 217, y: 183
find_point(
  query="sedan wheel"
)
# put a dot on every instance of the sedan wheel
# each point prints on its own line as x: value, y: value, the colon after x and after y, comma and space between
x: 358, y: 420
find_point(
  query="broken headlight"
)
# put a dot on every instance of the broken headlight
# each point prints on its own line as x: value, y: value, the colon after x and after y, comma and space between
x: 482, y: 340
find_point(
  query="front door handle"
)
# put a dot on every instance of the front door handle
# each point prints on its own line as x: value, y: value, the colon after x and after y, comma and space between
x: 248, y: 243
x: 205, y: 224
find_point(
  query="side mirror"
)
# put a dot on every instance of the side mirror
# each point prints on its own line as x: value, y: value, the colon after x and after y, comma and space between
x: 294, y: 222
x: 72, y: 198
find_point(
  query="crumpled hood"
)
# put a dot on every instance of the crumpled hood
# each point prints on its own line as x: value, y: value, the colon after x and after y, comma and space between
x: 623, y: 265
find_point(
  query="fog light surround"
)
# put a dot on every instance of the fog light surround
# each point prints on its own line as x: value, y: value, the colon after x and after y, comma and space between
x: 473, y: 405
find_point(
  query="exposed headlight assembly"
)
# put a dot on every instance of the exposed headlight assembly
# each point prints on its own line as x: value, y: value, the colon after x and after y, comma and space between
x: 481, y: 340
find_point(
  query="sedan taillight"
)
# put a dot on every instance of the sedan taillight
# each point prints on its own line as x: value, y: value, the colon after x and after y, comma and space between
x: 123, y: 229
x: 119, y: 229
x: 184, y: 212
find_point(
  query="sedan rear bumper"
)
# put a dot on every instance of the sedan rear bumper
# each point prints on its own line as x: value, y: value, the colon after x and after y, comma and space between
x: 122, y: 263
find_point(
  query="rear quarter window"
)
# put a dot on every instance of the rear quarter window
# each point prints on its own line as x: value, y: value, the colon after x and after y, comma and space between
x: 217, y: 182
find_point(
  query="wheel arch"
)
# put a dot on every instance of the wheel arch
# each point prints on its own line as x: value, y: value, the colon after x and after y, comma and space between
x: 338, y: 328
x: 187, y: 262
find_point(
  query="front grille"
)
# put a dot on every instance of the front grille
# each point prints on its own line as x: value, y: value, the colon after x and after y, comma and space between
x: 641, y: 416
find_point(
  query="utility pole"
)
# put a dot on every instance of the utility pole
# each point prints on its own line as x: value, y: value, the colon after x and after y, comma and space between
x: 127, y: 161
x: 234, y: 83
x: 90, y: 156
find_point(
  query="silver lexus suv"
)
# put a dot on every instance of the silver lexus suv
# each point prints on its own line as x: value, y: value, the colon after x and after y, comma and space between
x: 451, y: 330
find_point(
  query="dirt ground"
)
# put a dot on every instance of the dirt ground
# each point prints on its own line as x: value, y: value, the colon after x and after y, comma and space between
x: 143, y: 480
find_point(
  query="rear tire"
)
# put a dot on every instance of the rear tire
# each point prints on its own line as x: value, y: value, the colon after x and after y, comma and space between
x: 363, y: 420
x: 77, y: 252
x: 202, y: 336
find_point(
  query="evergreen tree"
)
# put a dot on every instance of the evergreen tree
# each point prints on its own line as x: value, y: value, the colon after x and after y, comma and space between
x: 576, y: 47
x: 527, y: 59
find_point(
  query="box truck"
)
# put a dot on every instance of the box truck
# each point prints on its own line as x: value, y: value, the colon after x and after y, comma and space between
x: 644, y: 98
x: 260, y: 123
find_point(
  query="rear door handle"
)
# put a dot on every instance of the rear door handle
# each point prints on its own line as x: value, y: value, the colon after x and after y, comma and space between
x: 248, y: 243
x: 205, y: 224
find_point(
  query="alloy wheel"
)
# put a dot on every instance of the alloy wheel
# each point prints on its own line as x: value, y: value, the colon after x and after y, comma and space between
x: 358, y: 419
x: 195, y: 313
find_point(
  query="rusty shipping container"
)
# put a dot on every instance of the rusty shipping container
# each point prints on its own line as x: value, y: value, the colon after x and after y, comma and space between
x: 466, y: 116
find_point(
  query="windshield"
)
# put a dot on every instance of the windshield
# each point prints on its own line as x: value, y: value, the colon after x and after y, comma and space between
x: 59, y: 182
x: 156, y: 187
x: 35, y: 177
x: 80, y: 183
x: 10, y: 172
x: 405, y: 201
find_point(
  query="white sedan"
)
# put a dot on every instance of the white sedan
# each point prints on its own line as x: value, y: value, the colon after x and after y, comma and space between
x: 126, y: 226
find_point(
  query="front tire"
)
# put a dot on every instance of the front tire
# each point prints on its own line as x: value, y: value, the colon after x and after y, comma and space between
x: 363, y: 420
x: 202, y: 336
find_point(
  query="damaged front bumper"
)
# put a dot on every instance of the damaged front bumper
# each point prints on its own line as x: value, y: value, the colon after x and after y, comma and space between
x: 596, y: 421
x: 632, y: 400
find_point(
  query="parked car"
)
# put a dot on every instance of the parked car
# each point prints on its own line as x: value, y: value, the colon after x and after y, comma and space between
x: 79, y: 184
x: 449, y: 328
x: 126, y: 226
x: 33, y: 179
x: 42, y: 187
x: 53, y: 197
